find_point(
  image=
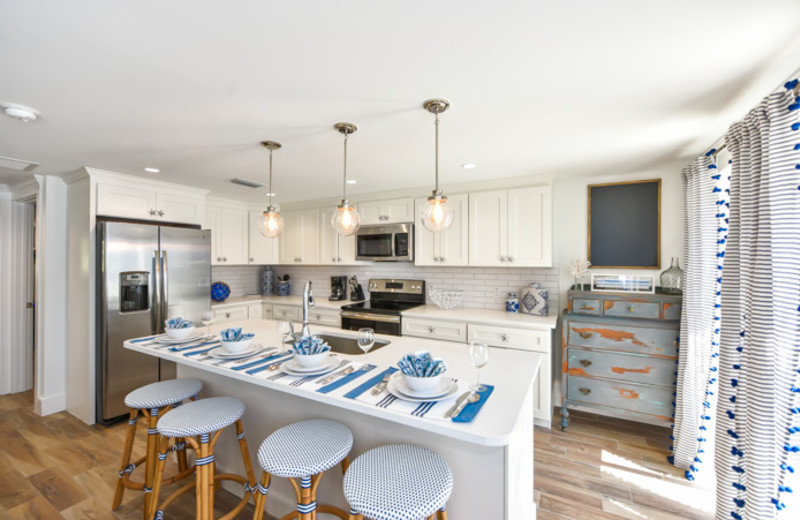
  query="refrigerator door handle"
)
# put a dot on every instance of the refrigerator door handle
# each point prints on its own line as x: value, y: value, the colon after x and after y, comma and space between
x: 165, y: 286
x: 156, y: 310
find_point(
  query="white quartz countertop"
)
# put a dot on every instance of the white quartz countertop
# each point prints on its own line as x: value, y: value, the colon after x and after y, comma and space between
x: 512, y: 373
x: 322, y: 303
x: 483, y: 316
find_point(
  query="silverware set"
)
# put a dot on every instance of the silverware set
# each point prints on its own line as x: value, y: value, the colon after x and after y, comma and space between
x: 306, y: 379
x: 380, y: 387
x: 262, y: 354
x: 465, y: 399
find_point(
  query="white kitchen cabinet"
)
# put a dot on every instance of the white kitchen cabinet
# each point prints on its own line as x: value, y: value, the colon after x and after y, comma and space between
x: 299, y: 242
x: 448, y: 248
x: 334, y: 248
x: 510, y: 228
x: 261, y: 250
x: 266, y: 311
x: 231, y: 313
x: 287, y: 312
x: 387, y: 211
x: 435, y: 329
x: 129, y: 199
x: 228, y: 225
x: 330, y: 317
x: 255, y: 311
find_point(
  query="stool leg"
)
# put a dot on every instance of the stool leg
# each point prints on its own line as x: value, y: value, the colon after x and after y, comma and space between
x: 345, y: 464
x: 248, y: 466
x: 151, y: 503
x: 205, y: 484
x: 441, y: 514
x: 354, y: 515
x: 152, y: 453
x: 183, y: 463
x: 126, y: 458
x: 306, y: 502
x: 261, y: 496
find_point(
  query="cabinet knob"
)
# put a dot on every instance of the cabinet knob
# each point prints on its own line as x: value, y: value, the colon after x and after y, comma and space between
x: 443, y: 259
x: 511, y: 259
x: 227, y: 314
x: 504, y: 337
x: 431, y: 330
x: 585, y: 363
x: 338, y: 259
x: 252, y: 259
x: 587, y: 308
x: 152, y: 213
x: 318, y: 316
x: 333, y: 259
x: 585, y: 335
x: 631, y: 308
x: 224, y: 258
x: 160, y: 213
x: 584, y: 390
x: 503, y: 259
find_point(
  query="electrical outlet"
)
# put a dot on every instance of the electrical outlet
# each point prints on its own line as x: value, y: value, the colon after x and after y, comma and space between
x: 496, y: 292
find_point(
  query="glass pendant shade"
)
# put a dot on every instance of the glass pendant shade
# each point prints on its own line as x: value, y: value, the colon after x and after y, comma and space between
x: 437, y: 215
x: 271, y: 224
x: 345, y: 219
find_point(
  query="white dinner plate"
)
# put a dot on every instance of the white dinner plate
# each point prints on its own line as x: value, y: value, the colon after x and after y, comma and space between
x: 293, y: 368
x: 398, y: 388
x: 221, y: 353
x: 166, y: 340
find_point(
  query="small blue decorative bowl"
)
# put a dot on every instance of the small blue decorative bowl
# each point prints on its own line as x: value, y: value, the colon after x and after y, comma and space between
x: 220, y: 291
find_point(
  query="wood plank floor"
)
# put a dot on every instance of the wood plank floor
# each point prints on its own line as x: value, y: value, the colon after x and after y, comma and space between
x: 599, y: 469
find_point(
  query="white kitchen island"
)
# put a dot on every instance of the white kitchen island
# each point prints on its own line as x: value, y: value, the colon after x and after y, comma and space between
x: 491, y: 457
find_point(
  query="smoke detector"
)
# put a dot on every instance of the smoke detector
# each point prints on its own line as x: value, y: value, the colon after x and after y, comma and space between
x: 20, y: 112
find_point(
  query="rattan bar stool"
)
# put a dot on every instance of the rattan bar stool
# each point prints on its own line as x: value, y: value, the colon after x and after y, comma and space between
x: 152, y: 401
x: 200, y: 423
x: 398, y: 482
x: 303, y: 451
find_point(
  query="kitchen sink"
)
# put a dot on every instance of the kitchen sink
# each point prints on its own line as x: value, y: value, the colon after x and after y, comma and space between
x: 348, y: 344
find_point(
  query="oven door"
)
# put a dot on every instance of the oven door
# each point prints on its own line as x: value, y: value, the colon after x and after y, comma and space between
x: 380, y: 323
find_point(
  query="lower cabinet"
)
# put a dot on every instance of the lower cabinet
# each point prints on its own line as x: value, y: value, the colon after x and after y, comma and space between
x: 435, y: 329
x: 330, y: 317
x: 231, y: 313
x: 287, y: 312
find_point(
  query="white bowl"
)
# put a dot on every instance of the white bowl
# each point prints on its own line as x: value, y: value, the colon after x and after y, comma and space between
x: 311, y: 360
x: 422, y: 384
x: 180, y: 333
x: 234, y: 347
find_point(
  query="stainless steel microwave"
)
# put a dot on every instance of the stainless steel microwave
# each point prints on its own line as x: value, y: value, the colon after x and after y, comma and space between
x: 385, y: 243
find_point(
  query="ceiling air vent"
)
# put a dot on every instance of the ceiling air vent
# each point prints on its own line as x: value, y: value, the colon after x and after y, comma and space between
x: 245, y: 182
x: 17, y: 164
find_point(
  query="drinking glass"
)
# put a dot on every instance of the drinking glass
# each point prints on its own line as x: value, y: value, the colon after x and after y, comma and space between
x: 366, y: 338
x: 284, y: 329
x: 208, y: 317
x: 478, y: 356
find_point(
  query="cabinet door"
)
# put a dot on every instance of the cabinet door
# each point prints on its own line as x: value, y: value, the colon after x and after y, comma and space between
x: 211, y: 222
x: 233, y: 236
x: 289, y: 239
x: 173, y: 208
x: 254, y: 311
x: 122, y: 201
x: 488, y: 233
x: 399, y: 210
x: 529, y: 227
x: 300, y: 239
x: 453, y: 246
x: 262, y: 250
x: 286, y: 312
x: 435, y: 329
x: 309, y: 237
x: 329, y: 250
x: 426, y: 247
x: 371, y: 213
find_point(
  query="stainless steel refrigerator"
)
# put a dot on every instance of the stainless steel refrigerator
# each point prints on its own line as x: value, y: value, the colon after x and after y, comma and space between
x: 146, y: 274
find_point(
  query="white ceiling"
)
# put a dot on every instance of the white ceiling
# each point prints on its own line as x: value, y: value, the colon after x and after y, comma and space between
x: 537, y: 87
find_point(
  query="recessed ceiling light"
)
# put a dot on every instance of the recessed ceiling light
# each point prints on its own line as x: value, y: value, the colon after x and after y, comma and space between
x: 468, y: 165
x: 20, y: 112
x: 351, y: 181
x: 152, y: 170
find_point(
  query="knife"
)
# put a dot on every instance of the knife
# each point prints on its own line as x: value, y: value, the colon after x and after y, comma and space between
x: 380, y: 387
x: 461, y: 402
x: 337, y: 375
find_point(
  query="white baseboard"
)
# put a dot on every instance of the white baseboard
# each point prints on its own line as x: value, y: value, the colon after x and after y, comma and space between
x: 50, y: 404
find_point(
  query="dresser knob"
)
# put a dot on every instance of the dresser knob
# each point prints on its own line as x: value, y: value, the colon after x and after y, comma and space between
x: 584, y: 390
x: 585, y: 363
x: 631, y: 308
x: 585, y: 335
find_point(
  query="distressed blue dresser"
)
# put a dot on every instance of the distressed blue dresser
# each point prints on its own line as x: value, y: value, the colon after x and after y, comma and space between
x: 618, y: 355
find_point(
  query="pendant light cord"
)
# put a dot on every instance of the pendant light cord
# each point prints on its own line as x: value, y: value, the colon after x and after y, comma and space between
x: 437, y: 151
x: 270, y: 176
x: 344, y: 180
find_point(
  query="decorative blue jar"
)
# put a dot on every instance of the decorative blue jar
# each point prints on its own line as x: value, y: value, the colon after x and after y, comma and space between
x: 512, y: 302
x: 267, y: 281
x: 284, y: 287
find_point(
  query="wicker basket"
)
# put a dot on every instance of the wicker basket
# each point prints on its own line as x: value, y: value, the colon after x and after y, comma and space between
x: 445, y: 299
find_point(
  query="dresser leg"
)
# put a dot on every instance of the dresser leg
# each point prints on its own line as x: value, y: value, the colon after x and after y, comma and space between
x: 564, y: 418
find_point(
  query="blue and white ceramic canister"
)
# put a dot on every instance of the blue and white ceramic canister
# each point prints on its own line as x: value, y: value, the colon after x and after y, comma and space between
x: 267, y: 281
x: 284, y: 287
x: 533, y: 300
x: 512, y: 302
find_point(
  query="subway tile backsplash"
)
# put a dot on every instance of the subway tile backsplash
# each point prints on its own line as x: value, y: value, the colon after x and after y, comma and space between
x: 484, y: 287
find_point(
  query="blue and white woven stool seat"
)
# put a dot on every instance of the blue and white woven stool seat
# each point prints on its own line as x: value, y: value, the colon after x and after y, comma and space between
x: 398, y: 482
x: 163, y: 393
x: 305, y: 448
x: 201, y: 417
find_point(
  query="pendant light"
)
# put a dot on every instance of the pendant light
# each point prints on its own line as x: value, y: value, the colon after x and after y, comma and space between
x: 271, y: 223
x: 437, y: 215
x: 345, y: 219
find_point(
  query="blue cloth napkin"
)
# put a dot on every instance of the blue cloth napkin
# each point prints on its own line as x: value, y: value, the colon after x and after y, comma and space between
x: 214, y: 345
x: 143, y: 339
x: 471, y: 410
x: 264, y: 367
x: 346, y: 379
x: 187, y: 347
x: 355, y: 392
x: 259, y: 361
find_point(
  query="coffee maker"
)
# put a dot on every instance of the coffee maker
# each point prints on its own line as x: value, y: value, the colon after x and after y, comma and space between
x: 338, y: 288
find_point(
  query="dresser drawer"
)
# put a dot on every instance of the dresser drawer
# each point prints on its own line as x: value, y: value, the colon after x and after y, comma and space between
x: 652, y: 400
x: 286, y: 312
x: 534, y: 340
x: 432, y: 329
x: 625, y: 338
x: 325, y: 317
x: 586, y: 306
x: 631, y: 309
x: 672, y: 311
x: 635, y: 368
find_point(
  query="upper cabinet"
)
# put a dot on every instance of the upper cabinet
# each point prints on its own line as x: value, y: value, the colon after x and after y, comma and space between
x: 387, y: 211
x: 147, y: 200
x: 450, y: 247
x: 299, y: 242
x: 334, y: 248
x: 511, y: 228
x: 263, y: 250
x: 229, y: 233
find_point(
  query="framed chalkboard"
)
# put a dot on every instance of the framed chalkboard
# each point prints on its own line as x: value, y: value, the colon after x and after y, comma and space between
x: 625, y: 225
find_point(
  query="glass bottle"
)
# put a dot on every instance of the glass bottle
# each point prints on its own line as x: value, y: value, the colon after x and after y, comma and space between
x: 672, y: 278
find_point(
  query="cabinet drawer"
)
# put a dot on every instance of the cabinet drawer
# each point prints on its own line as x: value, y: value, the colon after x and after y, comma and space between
x: 231, y: 314
x: 266, y: 311
x: 626, y: 338
x: 583, y: 306
x: 635, y: 368
x: 286, y: 312
x: 325, y: 317
x: 652, y: 400
x: 631, y: 309
x: 672, y: 311
x: 445, y: 330
x: 534, y: 340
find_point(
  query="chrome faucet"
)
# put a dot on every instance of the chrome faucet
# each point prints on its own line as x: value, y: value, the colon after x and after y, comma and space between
x: 308, y: 301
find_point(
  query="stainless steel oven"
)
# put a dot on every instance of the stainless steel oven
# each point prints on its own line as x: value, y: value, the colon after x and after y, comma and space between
x: 385, y: 243
x: 388, y: 298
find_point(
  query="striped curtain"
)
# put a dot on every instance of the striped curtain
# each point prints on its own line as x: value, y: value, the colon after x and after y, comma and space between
x: 758, y: 418
x: 705, y: 193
